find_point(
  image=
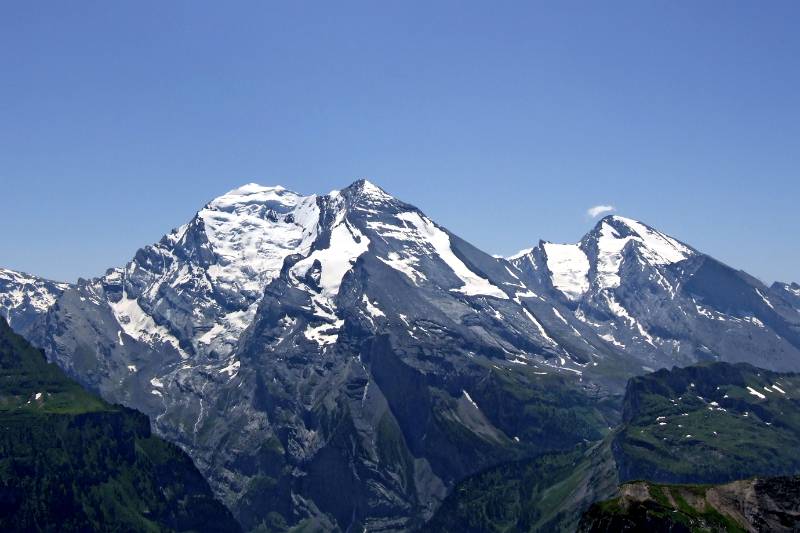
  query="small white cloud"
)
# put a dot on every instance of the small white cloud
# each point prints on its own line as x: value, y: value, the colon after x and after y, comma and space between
x: 598, y: 210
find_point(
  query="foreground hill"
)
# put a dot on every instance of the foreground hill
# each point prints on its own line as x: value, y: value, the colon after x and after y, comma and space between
x: 752, y: 505
x: 71, y: 462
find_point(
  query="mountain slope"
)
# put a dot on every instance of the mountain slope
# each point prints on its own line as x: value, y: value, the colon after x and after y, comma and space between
x: 70, y: 461
x: 709, y: 424
x: 381, y: 338
x: 547, y: 493
x: 788, y: 292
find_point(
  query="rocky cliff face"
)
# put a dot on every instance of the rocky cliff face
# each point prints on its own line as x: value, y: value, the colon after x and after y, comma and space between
x: 341, y: 360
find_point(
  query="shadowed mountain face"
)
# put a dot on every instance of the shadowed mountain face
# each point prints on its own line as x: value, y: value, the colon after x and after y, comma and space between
x: 340, y: 360
x: 71, y: 462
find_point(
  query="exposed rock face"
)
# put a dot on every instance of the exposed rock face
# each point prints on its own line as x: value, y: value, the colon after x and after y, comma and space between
x: 341, y: 360
x: 789, y: 292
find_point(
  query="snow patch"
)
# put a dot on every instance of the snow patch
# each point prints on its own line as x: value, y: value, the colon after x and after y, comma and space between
x: 141, y: 326
x: 405, y: 264
x: 766, y: 301
x: 754, y: 392
x: 347, y: 243
x: 372, y: 309
x: 617, y: 309
x: 324, y: 334
x: 231, y: 369
x: 539, y: 326
x: 569, y: 268
x: 439, y: 242
x: 469, y: 399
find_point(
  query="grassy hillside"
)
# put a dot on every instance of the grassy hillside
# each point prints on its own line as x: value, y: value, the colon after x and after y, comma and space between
x: 547, y: 493
x: 710, y: 424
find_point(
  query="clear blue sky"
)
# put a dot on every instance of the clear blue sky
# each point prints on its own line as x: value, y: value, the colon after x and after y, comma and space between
x: 504, y: 121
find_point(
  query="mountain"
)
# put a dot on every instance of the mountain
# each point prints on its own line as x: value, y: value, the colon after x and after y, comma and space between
x: 341, y: 361
x: 24, y: 298
x: 71, y: 462
x: 296, y: 346
x: 761, y: 504
x: 660, y: 301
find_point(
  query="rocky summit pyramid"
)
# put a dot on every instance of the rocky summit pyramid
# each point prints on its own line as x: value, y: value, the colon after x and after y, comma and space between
x: 341, y: 360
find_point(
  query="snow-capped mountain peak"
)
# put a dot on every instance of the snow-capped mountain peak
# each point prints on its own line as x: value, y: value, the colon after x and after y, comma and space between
x: 251, y: 229
x: 519, y: 255
x: 613, y: 233
x: 595, y: 262
x: 214, y: 269
x: 366, y: 197
x: 272, y: 327
x: 659, y: 247
x: 23, y: 297
x: 251, y: 193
